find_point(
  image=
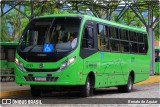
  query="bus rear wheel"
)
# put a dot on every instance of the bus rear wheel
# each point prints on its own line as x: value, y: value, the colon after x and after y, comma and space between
x: 87, y: 89
x: 128, y: 87
x: 35, y: 92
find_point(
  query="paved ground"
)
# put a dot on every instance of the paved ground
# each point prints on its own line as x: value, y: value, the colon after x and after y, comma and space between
x: 148, y: 91
x: 142, y: 96
x: 12, y: 89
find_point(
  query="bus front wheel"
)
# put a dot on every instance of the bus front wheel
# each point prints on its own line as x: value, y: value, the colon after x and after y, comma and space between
x: 35, y: 92
x: 128, y: 87
x: 87, y: 89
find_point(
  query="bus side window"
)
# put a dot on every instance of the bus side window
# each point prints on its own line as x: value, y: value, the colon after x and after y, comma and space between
x: 114, y: 39
x: 11, y: 54
x: 133, y: 42
x: 157, y: 55
x: 134, y: 47
x: 156, y: 59
x: 145, y: 43
x: 88, y: 38
x: 115, y: 45
x: 2, y: 56
x: 124, y: 43
x: 100, y: 34
x: 141, y: 48
x: 133, y: 36
x: 113, y: 32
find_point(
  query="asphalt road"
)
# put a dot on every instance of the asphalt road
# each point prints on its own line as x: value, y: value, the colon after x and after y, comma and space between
x: 142, y: 94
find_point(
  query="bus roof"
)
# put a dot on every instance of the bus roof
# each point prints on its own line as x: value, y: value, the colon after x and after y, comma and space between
x: 9, y: 43
x: 87, y: 17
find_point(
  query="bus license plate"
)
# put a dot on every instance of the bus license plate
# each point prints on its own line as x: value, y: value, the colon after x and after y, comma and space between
x: 40, y: 78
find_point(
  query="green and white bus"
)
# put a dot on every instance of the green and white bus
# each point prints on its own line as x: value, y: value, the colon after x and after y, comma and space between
x: 157, y: 60
x: 106, y: 54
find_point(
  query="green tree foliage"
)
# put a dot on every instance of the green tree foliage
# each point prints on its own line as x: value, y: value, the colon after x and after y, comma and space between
x: 12, y: 19
x: 129, y: 18
x: 4, y: 31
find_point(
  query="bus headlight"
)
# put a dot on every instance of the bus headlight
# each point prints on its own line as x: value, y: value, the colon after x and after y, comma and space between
x: 20, y: 65
x: 66, y: 63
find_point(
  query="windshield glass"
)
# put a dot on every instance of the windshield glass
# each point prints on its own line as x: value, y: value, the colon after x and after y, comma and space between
x: 50, y: 35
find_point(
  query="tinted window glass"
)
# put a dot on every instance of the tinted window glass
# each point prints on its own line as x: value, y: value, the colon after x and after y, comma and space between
x: 102, y: 38
x: 114, y: 45
x: 157, y: 55
x: 124, y: 46
x: 134, y: 47
x: 140, y: 37
x: 113, y: 32
x: 133, y: 36
x: 88, y: 39
x: 101, y: 30
x: 2, y: 56
x: 141, y: 48
x: 145, y: 43
x: 123, y: 34
x: 11, y: 54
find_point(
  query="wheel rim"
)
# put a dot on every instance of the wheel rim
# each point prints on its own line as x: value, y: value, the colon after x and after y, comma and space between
x: 130, y: 84
x: 88, y: 87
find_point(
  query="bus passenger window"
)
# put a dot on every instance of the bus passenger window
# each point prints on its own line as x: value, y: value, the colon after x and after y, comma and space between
x: 11, y: 54
x: 2, y: 56
x: 133, y: 36
x: 134, y: 47
x: 106, y: 31
x: 141, y: 48
x: 145, y: 43
x: 140, y: 37
x: 157, y: 55
x: 102, y: 37
x: 114, y: 45
x: 113, y: 32
x: 123, y: 34
x: 124, y: 46
x: 88, y: 38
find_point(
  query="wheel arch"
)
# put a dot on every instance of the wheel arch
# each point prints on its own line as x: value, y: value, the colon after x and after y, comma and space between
x: 91, y: 75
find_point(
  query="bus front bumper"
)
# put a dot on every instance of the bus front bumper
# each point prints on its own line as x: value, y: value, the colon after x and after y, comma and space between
x: 65, y: 77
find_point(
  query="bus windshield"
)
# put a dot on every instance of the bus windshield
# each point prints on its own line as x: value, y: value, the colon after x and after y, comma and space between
x: 50, y: 35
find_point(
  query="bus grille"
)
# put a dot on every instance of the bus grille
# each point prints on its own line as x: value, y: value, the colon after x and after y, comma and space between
x: 48, y: 79
x: 42, y: 70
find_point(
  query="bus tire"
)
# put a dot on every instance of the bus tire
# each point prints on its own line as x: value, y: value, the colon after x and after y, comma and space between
x: 128, y: 87
x: 86, y: 89
x: 35, y: 92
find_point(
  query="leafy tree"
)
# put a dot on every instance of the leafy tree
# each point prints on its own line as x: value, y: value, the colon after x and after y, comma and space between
x: 4, y: 32
x: 128, y: 18
x: 12, y: 20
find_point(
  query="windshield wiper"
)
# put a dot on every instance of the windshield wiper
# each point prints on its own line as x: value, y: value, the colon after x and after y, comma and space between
x: 55, y: 51
x: 52, y: 35
x: 50, y: 27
